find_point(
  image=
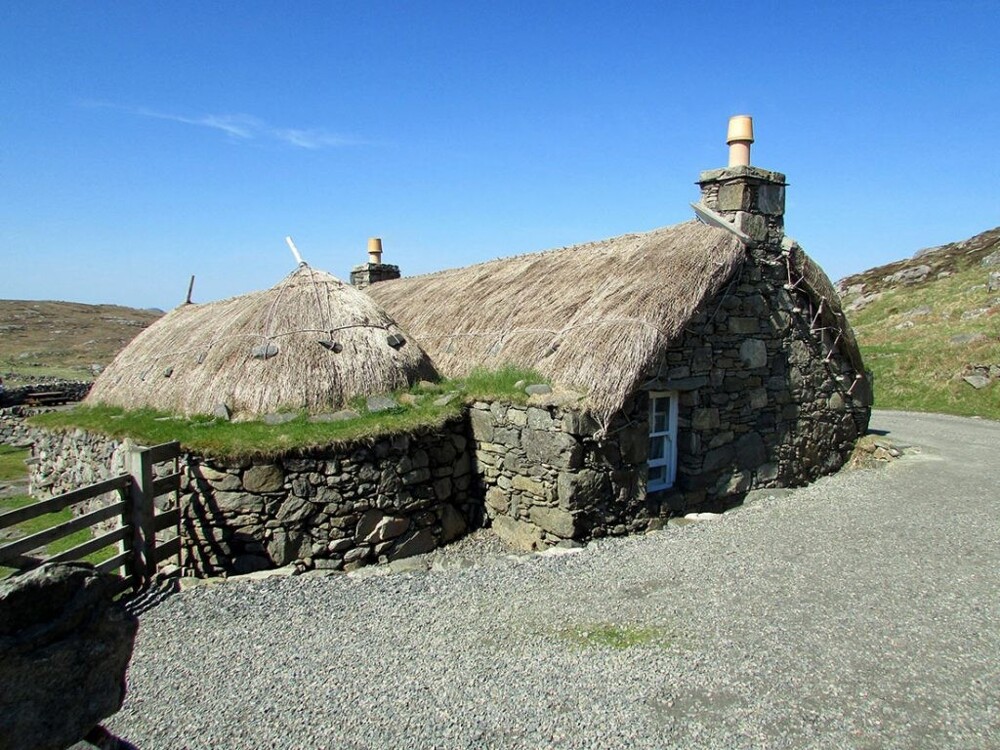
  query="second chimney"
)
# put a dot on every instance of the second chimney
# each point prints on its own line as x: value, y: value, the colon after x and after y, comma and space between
x: 374, y: 270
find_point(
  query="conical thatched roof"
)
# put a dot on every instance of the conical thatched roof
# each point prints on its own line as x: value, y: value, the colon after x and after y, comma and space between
x: 592, y: 317
x: 310, y: 342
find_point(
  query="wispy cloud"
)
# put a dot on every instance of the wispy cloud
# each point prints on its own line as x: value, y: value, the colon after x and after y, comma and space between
x: 242, y: 127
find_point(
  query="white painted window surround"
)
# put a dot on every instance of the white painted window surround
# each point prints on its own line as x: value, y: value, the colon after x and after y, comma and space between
x: 662, y: 440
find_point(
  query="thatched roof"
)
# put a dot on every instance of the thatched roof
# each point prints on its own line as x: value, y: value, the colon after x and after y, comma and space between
x: 593, y: 317
x: 310, y: 342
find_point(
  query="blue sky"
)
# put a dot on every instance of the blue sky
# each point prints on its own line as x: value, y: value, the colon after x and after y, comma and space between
x: 142, y: 142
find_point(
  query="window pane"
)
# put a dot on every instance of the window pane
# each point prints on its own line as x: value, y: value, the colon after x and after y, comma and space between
x: 655, y: 449
x: 657, y: 474
x: 659, y: 422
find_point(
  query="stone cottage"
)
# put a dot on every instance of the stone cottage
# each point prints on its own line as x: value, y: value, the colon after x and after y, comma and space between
x: 712, y: 358
x: 688, y: 365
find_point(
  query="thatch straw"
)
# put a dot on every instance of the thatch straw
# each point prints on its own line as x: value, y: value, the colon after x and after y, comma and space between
x: 199, y: 356
x: 593, y: 317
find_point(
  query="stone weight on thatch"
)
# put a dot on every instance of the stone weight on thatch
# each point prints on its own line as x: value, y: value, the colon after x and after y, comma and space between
x: 64, y: 649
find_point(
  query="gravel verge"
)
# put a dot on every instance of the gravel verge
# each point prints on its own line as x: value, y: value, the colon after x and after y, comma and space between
x: 858, y: 612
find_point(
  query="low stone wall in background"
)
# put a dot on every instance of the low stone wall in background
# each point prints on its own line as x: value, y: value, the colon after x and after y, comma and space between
x: 13, y: 430
x: 75, y: 390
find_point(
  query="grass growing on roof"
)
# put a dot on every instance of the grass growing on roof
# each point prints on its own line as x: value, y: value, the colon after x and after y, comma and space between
x: 486, y: 385
x: 205, y: 434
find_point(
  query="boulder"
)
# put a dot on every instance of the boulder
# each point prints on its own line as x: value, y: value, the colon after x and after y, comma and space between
x: 554, y: 520
x: 381, y: 403
x: 64, y: 648
x: 582, y: 489
x: 910, y: 275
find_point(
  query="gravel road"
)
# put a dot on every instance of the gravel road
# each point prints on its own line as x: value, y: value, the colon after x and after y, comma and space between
x: 860, y: 612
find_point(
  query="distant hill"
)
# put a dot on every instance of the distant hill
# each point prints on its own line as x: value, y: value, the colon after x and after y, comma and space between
x: 65, y: 339
x: 929, y: 327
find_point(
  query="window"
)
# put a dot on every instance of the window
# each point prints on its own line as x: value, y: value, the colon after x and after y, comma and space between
x: 662, y: 440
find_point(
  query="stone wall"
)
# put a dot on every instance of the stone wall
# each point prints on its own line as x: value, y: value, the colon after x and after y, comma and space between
x: 75, y: 390
x: 13, y: 430
x: 339, y: 507
x: 336, y: 508
x: 547, y: 480
x: 765, y: 400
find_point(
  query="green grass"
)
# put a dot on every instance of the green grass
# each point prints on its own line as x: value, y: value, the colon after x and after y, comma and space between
x: 486, y: 385
x: 18, y: 373
x: 12, y: 463
x: 918, y: 368
x: 204, y: 434
x: 606, y: 635
x: 12, y: 468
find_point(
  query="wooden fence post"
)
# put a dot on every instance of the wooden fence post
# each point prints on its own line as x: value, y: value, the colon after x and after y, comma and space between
x: 139, y: 465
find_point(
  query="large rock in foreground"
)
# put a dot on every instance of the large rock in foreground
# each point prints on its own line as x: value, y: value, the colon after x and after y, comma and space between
x: 64, y: 648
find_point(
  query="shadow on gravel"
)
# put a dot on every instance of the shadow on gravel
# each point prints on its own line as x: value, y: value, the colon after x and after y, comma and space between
x: 102, y: 739
x: 149, y: 597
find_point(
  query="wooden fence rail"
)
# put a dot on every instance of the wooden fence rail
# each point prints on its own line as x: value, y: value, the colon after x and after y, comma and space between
x: 138, y: 551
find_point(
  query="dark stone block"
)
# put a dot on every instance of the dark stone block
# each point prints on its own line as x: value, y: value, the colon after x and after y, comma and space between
x: 718, y: 458
x: 750, y: 451
x: 64, y: 648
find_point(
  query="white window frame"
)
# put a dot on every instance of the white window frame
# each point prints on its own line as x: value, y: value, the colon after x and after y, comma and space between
x: 669, y: 459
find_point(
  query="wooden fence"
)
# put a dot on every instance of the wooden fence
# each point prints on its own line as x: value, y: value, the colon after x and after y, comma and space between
x: 137, y: 549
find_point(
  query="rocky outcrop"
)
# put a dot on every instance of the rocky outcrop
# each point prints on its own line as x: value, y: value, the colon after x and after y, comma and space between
x: 64, y: 648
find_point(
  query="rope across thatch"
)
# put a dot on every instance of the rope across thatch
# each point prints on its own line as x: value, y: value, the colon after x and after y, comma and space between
x: 804, y: 271
x: 592, y: 317
x: 310, y: 342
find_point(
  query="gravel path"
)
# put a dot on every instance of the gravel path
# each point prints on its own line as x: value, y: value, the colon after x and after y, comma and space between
x: 859, y: 612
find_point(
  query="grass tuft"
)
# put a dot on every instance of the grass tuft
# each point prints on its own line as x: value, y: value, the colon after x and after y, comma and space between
x: 606, y: 635
x: 486, y: 385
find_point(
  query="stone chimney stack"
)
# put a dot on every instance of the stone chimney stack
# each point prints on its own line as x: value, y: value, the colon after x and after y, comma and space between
x: 374, y: 270
x: 750, y: 198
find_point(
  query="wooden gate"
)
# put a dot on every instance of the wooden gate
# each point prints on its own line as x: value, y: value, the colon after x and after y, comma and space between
x: 137, y: 549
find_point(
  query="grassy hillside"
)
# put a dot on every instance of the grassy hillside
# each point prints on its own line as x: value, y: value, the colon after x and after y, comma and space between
x: 928, y: 322
x: 64, y: 339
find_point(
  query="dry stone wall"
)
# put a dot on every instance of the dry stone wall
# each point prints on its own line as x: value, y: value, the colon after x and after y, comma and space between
x: 336, y: 508
x: 765, y: 399
x: 547, y: 480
